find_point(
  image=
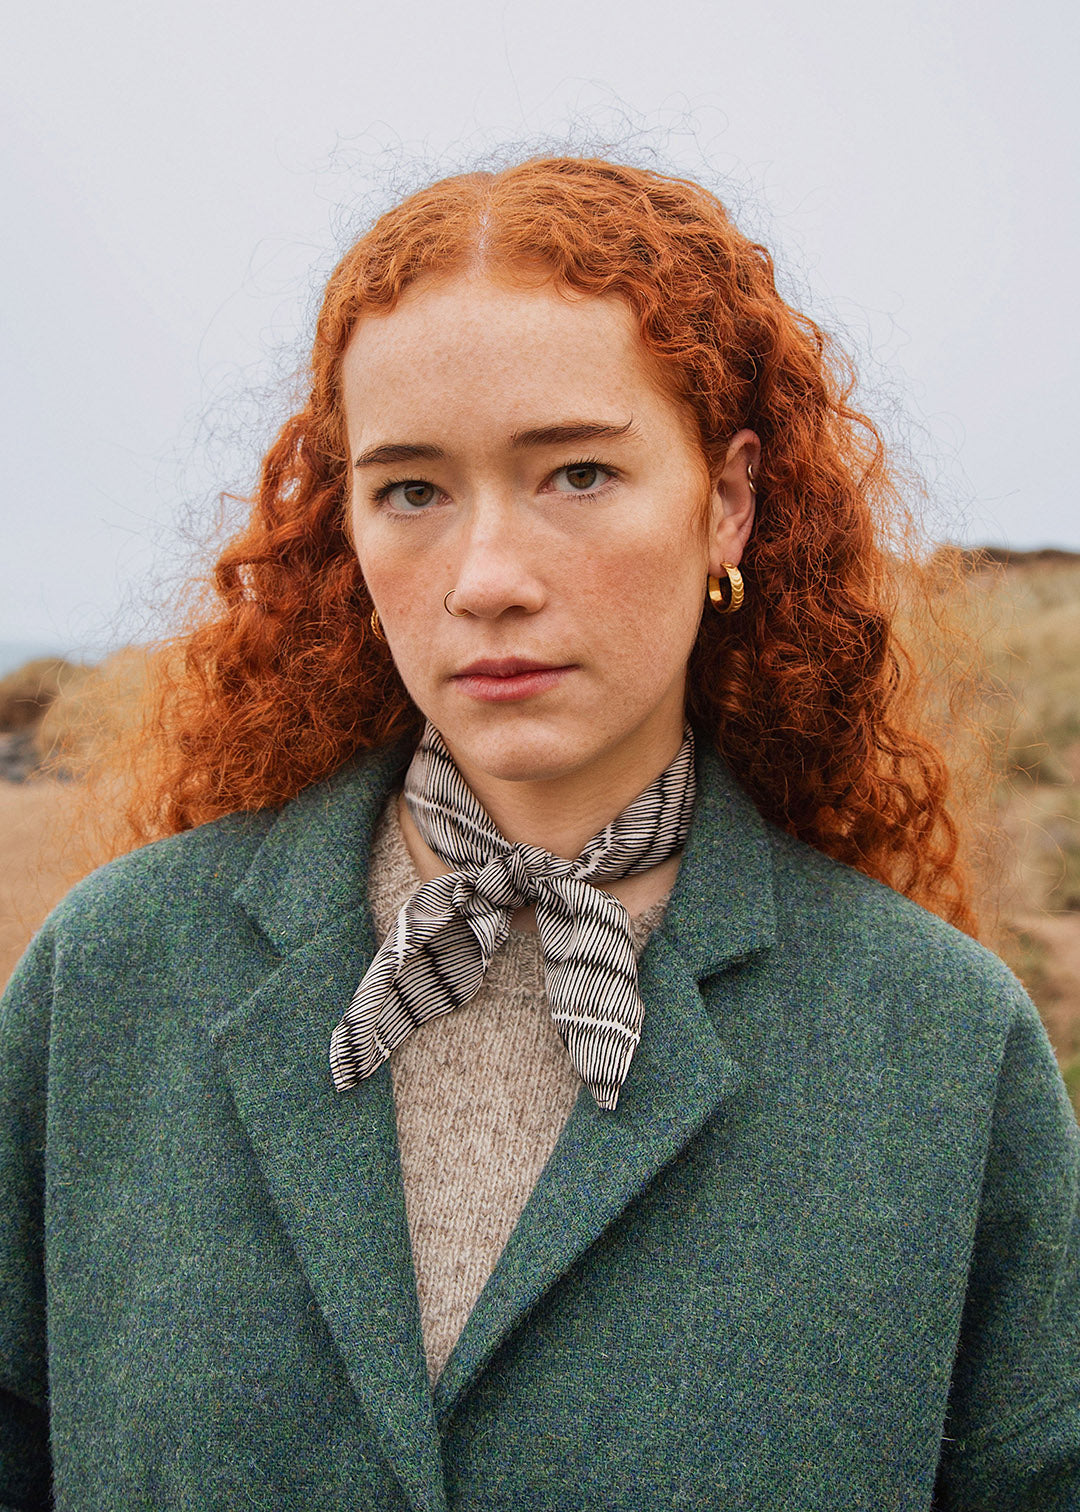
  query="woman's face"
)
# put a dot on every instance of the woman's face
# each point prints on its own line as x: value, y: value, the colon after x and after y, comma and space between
x: 512, y: 448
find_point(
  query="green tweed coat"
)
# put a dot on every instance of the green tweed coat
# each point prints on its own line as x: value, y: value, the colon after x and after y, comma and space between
x: 824, y: 1255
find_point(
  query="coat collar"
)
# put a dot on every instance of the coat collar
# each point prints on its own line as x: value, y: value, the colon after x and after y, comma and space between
x: 331, y: 1161
x: 310, y: 872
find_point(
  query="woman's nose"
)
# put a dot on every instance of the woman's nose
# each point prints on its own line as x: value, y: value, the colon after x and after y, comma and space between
x: 497, y: 568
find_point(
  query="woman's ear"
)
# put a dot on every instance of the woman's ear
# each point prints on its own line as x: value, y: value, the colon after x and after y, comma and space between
x: 732, y: 502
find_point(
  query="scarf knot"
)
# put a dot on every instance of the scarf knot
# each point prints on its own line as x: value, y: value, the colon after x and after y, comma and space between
x: 513, y: 878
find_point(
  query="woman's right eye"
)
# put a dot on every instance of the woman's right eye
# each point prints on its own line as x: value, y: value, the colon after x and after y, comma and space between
x: 409, y: 497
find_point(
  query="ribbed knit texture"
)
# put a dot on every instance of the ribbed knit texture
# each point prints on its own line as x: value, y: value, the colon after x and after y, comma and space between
x: 481, y: 1096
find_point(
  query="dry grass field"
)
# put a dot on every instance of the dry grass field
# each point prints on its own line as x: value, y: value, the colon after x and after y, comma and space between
x: 32, y: 876
x: 1029, y: 630
x: 1024, y: 618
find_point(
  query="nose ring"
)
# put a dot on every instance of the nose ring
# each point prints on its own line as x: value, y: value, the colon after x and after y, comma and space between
x: 447, y: 607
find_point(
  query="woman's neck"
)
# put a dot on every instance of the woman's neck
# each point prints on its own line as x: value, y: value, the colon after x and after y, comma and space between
x: 562, y: 814
x: 561, y: 817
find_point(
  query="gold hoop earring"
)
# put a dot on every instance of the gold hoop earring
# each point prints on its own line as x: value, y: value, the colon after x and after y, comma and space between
x: 727, y: 602
x: 446, y: 606
x: 750, y: 477
x: 376, y: 626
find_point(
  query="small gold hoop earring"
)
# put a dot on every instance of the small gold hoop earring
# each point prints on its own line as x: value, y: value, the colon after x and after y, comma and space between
x: 750, y: 477
x: 446, y: 605
x: 376, y: 626
x: 727, y: 601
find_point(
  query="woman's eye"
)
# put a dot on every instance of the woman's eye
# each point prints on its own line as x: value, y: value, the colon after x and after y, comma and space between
x: 408, y: 498
x: 582, y: 477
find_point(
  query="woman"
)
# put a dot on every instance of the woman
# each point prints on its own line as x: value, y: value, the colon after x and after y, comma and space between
x: 535, y: 1073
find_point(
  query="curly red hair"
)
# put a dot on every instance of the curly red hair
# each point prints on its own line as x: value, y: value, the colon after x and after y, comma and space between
x: 806, y: 692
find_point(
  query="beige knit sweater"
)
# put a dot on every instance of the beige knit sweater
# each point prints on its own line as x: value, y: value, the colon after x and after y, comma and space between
x: 481, y: 1097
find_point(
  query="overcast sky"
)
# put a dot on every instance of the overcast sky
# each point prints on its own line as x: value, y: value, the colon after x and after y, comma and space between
x: 178, y: 180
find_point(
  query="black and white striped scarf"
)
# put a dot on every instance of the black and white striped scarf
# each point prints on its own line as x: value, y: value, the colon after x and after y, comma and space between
x: 435, y: 957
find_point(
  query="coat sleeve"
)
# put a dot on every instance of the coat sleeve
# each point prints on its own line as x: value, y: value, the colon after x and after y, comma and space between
x: 25, y: 1476
x: 1012, y: 1436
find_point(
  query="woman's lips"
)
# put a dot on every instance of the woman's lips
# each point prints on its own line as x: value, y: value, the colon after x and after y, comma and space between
x: 508, y: 679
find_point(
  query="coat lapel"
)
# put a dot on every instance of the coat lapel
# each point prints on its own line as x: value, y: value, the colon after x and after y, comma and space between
x: 720, y: 911
x: 330, y: 1161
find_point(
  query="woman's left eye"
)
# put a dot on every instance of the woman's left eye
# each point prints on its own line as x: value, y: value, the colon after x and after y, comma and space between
x: 582, y: 477
x: 411, y: 497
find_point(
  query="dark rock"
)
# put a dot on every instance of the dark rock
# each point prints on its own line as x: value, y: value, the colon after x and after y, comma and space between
x: 18, y: 756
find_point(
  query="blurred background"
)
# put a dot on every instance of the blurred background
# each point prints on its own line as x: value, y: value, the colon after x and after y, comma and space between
x: 178, y: 182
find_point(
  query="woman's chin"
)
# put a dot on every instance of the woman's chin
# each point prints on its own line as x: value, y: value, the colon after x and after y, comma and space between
x: 511, y: 745
x: 517, y: 747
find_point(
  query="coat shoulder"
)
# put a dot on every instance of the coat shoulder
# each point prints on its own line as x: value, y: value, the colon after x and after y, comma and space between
x: 871, y: 933
x: 294, y: 855
x: 211, y: 859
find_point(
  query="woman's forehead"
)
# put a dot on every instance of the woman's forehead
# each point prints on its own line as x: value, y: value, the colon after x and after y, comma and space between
x: 443, y: 310
x: 475, y: 341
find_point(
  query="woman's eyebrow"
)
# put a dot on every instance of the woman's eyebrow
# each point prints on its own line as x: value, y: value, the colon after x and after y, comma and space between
x: 399, y: 451
x: 572, y: 430
x: 544, y: 435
